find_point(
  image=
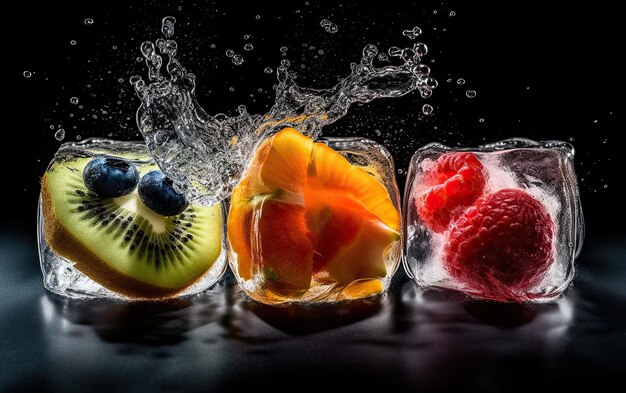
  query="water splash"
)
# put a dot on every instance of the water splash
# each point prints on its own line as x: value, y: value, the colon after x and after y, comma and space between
x: 205, y: 154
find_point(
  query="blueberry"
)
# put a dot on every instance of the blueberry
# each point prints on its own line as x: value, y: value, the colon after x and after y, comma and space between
x: 110, y: 177
x: 157, y: 192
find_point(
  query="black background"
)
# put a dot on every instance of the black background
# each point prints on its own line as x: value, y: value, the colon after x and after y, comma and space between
x: 541, y: 70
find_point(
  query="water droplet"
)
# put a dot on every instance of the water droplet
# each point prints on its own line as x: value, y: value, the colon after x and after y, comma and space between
x: 420, y: 48
x: 470, y: 93
x: 230, y: 53
x: 452, y: 13
x: 332, y: 28
x: 139, y: 59
x: 268, y: 70
x: 114, y: 47
x: 135, y: 80
x: 422, y: 69
x: 246, y: 37
x: 283, y: 49
x: 427, y: 109
x: 320, y: 52
x: 369, y: 52
x: 78, y: 137
x: 241, y: 109
x: 460, y: 81
x: 27, y: 74
x: 73, y: 42
x: 248, y: 47
x: 435, y: 12
x: 51, y: 126
x: 606, y: 186
x: 412, y: 33
x: 147, y: 49
x: 325, y: 23
x: 481, y: 120
x: 59, y: 135
x: 400, y: 171
x: 237, y: 59
x: 257, y: 17
x: 231, y: 89
x: 394, y: 51
x: 431, y: 83
x: 449, y: 80
x: 89, y: 21
x: 167, y: 26
x: 74, y: 100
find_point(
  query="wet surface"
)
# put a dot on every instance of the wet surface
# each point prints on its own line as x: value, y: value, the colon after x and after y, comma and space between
x: 408, y: 340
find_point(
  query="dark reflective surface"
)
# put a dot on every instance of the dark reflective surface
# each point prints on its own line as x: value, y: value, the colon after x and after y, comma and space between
x: 408, y: 340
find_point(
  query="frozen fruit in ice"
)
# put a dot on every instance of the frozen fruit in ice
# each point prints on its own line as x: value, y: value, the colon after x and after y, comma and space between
x: 502, y: 246
x: 120, y: 243
x: 455, y: 181
x: 302, y: 210
x: 110, y: 177
x: 157, y: 192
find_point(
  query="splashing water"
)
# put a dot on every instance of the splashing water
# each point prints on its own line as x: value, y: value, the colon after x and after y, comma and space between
x: 205, y: 154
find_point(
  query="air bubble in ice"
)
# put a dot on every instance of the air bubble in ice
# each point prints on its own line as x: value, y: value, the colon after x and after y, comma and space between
x: 160, y: 137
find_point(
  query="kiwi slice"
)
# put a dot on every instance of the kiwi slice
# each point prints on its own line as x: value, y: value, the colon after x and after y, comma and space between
x: 122, y: 244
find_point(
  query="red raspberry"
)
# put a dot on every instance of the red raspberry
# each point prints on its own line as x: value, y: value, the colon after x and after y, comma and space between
x: 501, y: 247
x: 455, y: 181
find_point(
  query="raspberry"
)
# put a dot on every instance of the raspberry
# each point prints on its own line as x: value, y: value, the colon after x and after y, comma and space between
x: 455, y: 181
x: 501, y: 247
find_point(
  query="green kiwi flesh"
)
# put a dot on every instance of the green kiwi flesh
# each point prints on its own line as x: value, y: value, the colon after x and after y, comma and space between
x: 122, y: 244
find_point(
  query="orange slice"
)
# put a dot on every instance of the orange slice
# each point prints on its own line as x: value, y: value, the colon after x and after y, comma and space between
x: 302, y: 210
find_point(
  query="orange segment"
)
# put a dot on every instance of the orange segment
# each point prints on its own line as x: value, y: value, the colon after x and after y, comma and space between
x: 303, y: 208
x: 331, y: 171
x: 284, y: 244
x: 363, y: 288
x: 286, y: 163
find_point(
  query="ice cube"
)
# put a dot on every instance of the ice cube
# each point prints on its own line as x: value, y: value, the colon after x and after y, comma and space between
x: 127, y: 222
x: 502, y: 221
x: 312, y: 232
